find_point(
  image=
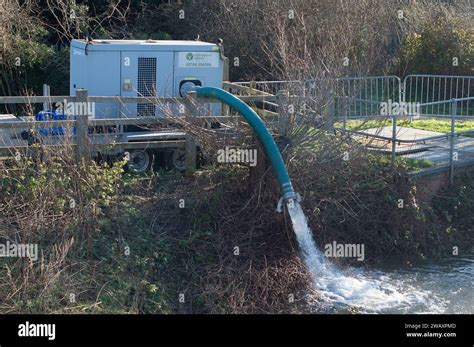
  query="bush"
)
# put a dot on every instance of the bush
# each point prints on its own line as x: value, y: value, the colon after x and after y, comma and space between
x: 357, y: 200
x: 61, y: 208
x: 433, y: 50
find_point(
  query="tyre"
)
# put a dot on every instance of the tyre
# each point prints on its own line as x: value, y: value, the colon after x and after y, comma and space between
x: 175, y: 160
x: 140, y: 161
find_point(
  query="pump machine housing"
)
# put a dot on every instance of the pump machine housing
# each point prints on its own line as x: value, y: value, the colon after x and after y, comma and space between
x: 162, y: 68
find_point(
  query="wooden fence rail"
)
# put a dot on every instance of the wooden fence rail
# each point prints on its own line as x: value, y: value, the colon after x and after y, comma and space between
x: 83, y: 121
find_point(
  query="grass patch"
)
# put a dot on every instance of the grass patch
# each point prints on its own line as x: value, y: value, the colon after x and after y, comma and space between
x: 431, y: 124
x: 438, y: 125
x: 415, y: 164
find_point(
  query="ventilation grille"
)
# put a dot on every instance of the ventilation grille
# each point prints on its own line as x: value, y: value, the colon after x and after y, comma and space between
x: 146, y: 85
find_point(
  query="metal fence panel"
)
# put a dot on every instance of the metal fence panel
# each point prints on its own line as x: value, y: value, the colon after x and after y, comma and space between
x: 424, y: 89
x: 361, y: 97
x: 354, y: 97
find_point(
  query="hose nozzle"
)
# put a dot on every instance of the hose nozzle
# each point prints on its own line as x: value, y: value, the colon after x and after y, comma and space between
x: 288, y: 192
x: 289, y: 201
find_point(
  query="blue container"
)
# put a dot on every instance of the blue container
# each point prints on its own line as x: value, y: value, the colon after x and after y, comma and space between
x: 51, y: 115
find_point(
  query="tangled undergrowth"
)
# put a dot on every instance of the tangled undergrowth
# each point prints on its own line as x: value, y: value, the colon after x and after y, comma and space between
x: 111, y: 242
x: 115, y: 243
x: 355, y: 197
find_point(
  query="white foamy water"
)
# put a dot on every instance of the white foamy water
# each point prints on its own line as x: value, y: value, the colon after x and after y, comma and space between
x: 372, y: 291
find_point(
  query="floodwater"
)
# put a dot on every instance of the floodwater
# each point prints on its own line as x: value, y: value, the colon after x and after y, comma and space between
x: 442, y: 287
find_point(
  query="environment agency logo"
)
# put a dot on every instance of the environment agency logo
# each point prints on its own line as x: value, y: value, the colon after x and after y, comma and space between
x: 189, y: 56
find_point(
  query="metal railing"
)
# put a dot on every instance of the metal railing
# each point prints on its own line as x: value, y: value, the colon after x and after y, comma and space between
x: 344, y: 99
x: 418, y: 97
x: 426, y: 89
x: 435, y: 153
x: 349, y: 93
x: 353, y: 95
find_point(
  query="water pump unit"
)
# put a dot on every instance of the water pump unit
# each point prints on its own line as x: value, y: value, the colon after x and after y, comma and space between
x: 144, y: 68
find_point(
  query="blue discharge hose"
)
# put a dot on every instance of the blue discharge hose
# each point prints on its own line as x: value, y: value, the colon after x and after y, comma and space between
x: 262, y: 132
